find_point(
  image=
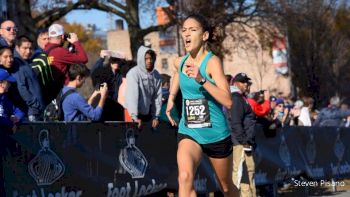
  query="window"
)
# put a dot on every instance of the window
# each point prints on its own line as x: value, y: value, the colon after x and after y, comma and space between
x: 164, y: 63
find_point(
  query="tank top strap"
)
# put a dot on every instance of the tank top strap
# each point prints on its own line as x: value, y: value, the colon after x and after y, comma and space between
x: 183, y: 61
x: 203, y: 67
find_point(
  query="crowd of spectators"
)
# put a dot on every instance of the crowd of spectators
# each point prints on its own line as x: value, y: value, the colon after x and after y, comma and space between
x: 127, y: 91
x: 32, y: 97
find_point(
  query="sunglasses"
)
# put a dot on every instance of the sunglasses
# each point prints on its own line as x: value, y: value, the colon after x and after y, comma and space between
x: 15, y: 29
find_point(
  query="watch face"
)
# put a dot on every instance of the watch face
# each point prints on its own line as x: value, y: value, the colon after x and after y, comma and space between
x: 202, y: 81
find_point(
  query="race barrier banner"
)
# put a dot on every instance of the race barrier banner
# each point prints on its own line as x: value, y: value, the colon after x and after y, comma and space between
x: 115, y: 159
x: 95, y: 159
x: 316, y: 153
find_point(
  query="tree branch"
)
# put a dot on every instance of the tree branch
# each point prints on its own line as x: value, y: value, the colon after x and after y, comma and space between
x: 103, y: 7
x: 117, y: 4
x: 148, y: 30
x: 57, y: 12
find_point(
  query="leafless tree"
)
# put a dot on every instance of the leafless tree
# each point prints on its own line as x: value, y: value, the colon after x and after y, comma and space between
x: 318, y: 45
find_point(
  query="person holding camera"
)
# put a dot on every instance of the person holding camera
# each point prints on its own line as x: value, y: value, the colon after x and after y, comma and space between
x: 260, y: 103
x: 74, y: 106
x: 60, y: 58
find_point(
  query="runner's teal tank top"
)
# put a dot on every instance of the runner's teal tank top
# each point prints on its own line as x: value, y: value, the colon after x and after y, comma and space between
x: 193, y: 90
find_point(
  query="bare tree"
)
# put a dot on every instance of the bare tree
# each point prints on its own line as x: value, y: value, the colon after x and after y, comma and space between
x: 29, y: 18
x: 33, y: 14
x: 319, y: 47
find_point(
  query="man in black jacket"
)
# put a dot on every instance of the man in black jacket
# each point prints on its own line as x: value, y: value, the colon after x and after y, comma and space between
x: 242, y: 124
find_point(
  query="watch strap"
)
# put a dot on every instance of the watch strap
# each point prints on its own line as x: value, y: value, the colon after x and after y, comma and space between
x: 202, y: 82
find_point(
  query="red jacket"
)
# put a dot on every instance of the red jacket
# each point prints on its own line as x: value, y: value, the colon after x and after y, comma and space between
x: 260, y: 110
x: 60, y: 57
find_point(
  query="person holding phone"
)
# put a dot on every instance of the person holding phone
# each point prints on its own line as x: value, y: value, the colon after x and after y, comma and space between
x: 74, y: 106
x: 202, y: 128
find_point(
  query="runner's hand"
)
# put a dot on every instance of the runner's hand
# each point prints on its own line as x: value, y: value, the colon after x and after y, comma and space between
x: 193, y: 72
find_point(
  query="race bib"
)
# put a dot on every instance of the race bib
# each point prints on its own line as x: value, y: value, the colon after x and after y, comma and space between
x: 197, y: 113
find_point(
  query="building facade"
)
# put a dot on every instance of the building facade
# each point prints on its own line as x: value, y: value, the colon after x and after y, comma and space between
x: 244, y: 54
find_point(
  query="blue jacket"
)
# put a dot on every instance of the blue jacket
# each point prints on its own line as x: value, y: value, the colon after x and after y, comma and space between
x: 75, y: 108
x: 7, y: 109
x: 28, y: 86
x: 331, y: 116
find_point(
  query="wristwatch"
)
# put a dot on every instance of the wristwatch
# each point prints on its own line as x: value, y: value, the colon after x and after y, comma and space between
x: 202, y: 81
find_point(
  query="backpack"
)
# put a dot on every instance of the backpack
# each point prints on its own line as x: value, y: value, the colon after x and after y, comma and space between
x: 41, y: 65
x: 54, y: 111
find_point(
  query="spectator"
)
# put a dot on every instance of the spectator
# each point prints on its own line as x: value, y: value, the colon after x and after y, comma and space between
x: 6, y: 58
x: 8, y: 34
x: 301, y: 114
x: 9, y: 116
x: 272, y: 103
x: 346, y: 121
x: 42, y: 40
x: 110, y: 74
x: 260, y: 103
x: 280, y: 114
x: 121, y: 92
x: 6, y: 62
x: 62, y: 57
x: 243, y: 136
x: 295, y: 113
x: 27, y: 82
x: 75, y: 107
x: 9, y: 113
x: 332, y: 115
x: 306, y: 110
x: 144, y: 89
x: 228, y: 78
x: 123, y: 71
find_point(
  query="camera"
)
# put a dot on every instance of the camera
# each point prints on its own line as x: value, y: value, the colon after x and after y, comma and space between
x: 262, y: 91
x: 66, y: 36
x: 99, y: 86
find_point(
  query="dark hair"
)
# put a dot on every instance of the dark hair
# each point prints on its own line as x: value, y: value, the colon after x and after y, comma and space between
x: 77, y: 69
x: 152, y: 54
x: 21, y: 39
x: 41, y: 31
x: 4, y: 48
x: 308, y: 101
x: 216, y: 33
x: 113, y: 60
x: 126, y: 67
x: 228, y: 78
x: 165, y: 78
